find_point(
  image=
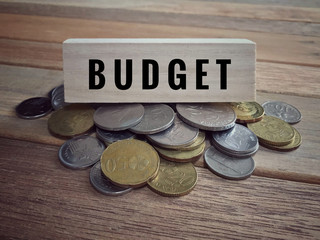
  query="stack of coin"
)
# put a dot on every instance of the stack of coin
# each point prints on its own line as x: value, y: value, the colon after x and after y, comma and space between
x: 207, y: 116
x: 236, y: 142
x: 276, y: 134
x: 130, y: 163
x: 247, y: 112
x: 182, y: 155
x: 179, y: 143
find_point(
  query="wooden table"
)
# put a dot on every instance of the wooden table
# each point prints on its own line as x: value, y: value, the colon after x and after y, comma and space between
x: 41, y: 199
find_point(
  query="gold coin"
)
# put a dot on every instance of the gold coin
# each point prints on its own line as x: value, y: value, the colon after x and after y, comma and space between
x: 296, y: 142
x: 71, y: 120
x: 199, y: 140
x: 248, y: 112
x: 174, y: 179
x: 273, y: 131
x: 130, y: 163
x: 181, y: 155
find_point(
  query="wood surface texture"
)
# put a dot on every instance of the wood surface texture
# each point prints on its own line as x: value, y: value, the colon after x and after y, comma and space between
x: 238, y: 83
x: 41, y: 199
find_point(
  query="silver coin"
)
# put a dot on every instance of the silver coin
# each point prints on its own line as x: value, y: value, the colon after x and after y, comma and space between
x: 33, y: 108
x: 53, y: 91
x: 282, y: 110
x: 178, y: 135
x: 103, y: 184
x: 57, y: 90
x: 156, y: 118
x: 235, y: 154
x: 109, y: 137
x: 81, y: 152
x: 228, y: 167
x: 238, y: 139
x: 57, y: 100
x: 207, y: 116
x: 117, y: 117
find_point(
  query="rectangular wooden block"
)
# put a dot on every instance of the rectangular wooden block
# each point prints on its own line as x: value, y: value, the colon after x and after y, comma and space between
x: 159, y: 70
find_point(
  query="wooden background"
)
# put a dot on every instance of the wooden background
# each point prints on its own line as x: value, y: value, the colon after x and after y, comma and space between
x: 41, y: 199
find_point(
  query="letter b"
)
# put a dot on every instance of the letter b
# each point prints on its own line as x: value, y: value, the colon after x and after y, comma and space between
x: 93, y: 73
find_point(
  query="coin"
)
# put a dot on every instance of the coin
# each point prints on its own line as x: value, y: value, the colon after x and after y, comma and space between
x: 81, y: 152
x: 117, y: 117
x: 235, y: 154
x: 182, y: 155
x: 103, y: 184
x: 178, y: 135
x: 228, y: 167
x: 207, y: 116
x: 156, y: 118
x: 199, y: 140
x: 130, y: 163
x: 109, y: 137
x: 248, y: 111
x: 174, y: 179
x: 282, y: 110
x: 57, y: 99
x: 238, y: 141
x: 296, y: 142
x: 272, y: 130
x: 33, y: 108
x: 54, y: 90
x: 71, y: 120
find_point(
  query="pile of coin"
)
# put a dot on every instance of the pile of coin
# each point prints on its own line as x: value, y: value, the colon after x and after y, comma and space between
x: 151, y: 144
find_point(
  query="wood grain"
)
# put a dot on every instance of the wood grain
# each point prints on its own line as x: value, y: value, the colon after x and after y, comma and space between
x: 41, y: 199
x: 243, y: 9
x: 50, y: 29
x: 180, y: 84
x: 29, y: 53
x: 302, y: 21
x: 19, y: 83
x: 288, y: 79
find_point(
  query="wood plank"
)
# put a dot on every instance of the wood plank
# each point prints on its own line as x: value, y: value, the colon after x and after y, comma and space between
x: 146, y: 3
x: 285, y: 47
x: 226, y: 68
x: 185, y: 13
x: 270, y: 77
x: 19, y: 83
x: 233, y: 9
x: 288, y: 79
x: 33, y: 54
x: 37, y: 192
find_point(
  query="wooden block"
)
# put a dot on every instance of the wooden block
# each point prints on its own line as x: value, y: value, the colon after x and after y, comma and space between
x: 159, y: 70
